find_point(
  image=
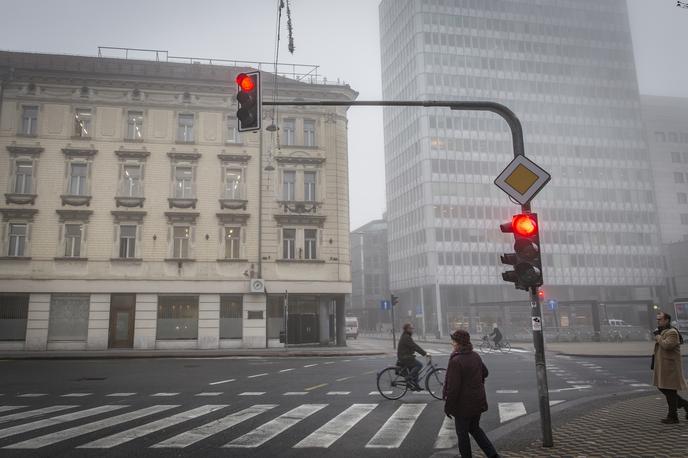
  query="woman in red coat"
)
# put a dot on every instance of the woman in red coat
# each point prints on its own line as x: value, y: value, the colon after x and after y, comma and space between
x: 464, y: 395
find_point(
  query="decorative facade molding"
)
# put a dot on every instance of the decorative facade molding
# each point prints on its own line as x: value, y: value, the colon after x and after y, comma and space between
x: 192, y: 157
x: 233, y: 204
x: 20, y: 199
x: 298, y: 206
x: 79, y: 152
x: 128, y: 216
x: 129, y: 202
x: 178, y: 202
x: 181, y: 217
x: 131, y: 154
x: 239, y: 158
x: 233, y: 218
x: 74, y: 215
x: 75, y: 201
x: 24, y: 214
x: 300, y: 220
x: 33, y: 151
x: 300, y: 160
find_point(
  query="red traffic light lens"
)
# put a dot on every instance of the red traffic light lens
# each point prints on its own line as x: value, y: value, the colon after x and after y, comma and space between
x: 245, y: 82
x: 524, y: 225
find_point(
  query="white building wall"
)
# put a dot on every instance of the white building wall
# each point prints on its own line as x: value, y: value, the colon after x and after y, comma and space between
x: 209, y: 321
x: 146, y: 321
x: 98, y: 322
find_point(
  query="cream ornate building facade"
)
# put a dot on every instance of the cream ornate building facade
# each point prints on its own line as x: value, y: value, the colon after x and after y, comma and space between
x: 135, y: 215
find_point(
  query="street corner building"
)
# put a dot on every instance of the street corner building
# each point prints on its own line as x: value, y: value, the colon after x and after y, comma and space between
x: 136, y: 215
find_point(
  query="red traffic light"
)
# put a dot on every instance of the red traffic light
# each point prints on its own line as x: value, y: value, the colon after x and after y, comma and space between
x: 524, y: 225
x: 245, y: 82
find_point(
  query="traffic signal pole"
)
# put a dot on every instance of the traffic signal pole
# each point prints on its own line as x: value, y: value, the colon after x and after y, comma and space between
x: 519, y: 150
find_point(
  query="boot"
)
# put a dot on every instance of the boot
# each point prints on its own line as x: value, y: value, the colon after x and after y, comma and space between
x: 670, y: 419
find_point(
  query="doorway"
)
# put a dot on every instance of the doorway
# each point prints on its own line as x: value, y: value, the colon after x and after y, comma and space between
x: 122, y: 314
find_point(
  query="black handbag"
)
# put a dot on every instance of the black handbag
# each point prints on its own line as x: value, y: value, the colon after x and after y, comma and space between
x: 652, y: 364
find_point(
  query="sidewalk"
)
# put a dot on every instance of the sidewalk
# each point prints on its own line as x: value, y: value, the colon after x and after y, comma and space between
x: 602, y: 349
x: 229, y: 352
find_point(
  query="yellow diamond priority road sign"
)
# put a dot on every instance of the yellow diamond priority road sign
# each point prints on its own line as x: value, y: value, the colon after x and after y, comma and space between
x: 522, y: 179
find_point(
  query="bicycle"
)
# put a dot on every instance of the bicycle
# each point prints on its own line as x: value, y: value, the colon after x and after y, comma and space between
x: 393, y: 382
x: 487, y: 345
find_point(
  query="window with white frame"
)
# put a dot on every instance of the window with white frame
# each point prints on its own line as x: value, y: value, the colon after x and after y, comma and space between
x: 72, y: 240
x: 183, y: 181
x: 78, y: 179
x: 23, y: 177
x: 131, y: 184
x: 127, y: 240
x: 185, y: 128
x: 288, y: 243
x: 17, y: 239
x: 135, y: 125
x: 233, y: 184
x: 289, y: 131
x: 309, y: 179
x: 181, y: 237
x: 82, y: 122
x: 308, y: 132
x: 310, y: 242
x: 288, y: 185
x: 233, y: 134
x: 232, y: 242
x: 29, y: 121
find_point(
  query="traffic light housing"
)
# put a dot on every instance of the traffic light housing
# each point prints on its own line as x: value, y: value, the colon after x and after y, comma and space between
x: 527, y: 259
x: 394, y: 300
x: 249, y: 101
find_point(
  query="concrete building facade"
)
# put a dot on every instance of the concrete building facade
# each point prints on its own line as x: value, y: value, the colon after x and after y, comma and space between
x: 135, y: 215
x: 567, y: 70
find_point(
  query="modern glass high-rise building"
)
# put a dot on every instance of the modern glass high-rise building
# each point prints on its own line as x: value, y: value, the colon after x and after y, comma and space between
x: 566, y: 68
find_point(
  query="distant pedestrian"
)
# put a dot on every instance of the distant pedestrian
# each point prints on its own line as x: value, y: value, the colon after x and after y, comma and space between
x: 667, y: 367
x: 464, y: 395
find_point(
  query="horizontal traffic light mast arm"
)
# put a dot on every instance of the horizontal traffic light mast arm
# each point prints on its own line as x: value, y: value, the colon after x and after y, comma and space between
x: 503, y: 111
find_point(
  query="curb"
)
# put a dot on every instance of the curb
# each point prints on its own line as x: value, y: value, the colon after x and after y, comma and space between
x: 6, y: 357
x: 501, y: 432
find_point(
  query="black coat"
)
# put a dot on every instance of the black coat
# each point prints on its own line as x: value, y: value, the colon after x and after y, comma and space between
x: 464, y: 385
x: 406, y: 348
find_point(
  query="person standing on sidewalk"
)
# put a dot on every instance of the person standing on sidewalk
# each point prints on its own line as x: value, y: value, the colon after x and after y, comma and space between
x: 464, y: 395
x: 667, y: 367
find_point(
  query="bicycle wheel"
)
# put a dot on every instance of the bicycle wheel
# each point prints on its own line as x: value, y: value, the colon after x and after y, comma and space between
x: 485, y: 346
x: 505, y: 346
x: 390, y: 384
x: 434, y: 382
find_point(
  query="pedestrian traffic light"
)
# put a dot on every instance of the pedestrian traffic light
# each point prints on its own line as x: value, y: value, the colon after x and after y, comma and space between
x: 249, y: 101
x: 526, y: 260
x: 394, y: 300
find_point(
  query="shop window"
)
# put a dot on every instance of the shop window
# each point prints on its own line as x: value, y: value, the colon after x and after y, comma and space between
x: 177, y: 318
x: 231, y: 317
x: 68, y: 318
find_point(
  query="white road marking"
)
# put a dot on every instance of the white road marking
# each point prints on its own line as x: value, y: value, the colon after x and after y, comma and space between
x: 222, y: 381
x: 518, y: 350
x: 372, y: 393
x: 295, y: 393
x: 269, y: 430
x: 210, y: 393
x: 553, y: 403
x: 510, y: 410
x: 343, y: 378
x: 6, y: 408
x: 164, y: 394
x: 310, y: 365
x: 140, y: 431
x: 32, y: 413
x: 120, y: 395
x: 204, y: 431
x: 252, y: 393
x: 31, y: 395
x: 639, y: 384
x: 257, y: 375
x: 507, y: 391
x: 628, y: 380
x: 59, y: 436
x: 329, y: 362
x: 75, y: 395
x: 57, y: 420
x: 575, y: 387
x: 397, y: 427
x: 338, y: 393
x: 447, y: 435
x: 287, y: 370
x: 334, y: 429
x: 576, y: 382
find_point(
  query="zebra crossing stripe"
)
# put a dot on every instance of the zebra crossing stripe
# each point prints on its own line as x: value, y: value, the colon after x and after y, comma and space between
x: 204, y: 431
x: 57, y: 420
x: 397, y: 427
x: 265, y: 432
x: 7, y: 408
x: 119, y: 395
x: 447, y: 435
x: 334, y: 429
x: 510, y: 410
x: 33, y: 413
x: 140, y: 431
x: 75, y: 395
x: 59, y: 436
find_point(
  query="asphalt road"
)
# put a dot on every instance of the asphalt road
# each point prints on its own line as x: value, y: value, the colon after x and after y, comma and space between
x: 268, y: 406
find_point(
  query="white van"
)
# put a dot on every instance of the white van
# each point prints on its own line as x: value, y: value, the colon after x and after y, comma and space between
x: 351, y: 327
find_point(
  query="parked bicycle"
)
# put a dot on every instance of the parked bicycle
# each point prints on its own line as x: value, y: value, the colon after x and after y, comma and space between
x: 488, y: 345
x: 393, y: 382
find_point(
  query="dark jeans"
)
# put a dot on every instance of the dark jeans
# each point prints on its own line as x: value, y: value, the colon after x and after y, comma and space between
x: 674, y: 401
x: 466, y: 425
x: 415, y: 369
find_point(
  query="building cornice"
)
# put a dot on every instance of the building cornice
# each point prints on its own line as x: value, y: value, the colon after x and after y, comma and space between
x: 25, y: 214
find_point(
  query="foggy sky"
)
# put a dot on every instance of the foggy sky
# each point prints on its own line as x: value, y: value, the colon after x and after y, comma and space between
x: 339, y: 36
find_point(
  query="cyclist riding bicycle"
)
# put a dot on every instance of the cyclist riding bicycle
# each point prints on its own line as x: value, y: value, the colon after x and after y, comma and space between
x: 405, y: 354
x: 497, y: 335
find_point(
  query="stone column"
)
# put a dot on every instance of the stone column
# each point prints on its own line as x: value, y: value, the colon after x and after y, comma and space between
x: 209, y: 321
x: 37, y: 322
x: 324, y: 320
x: 255, y: 321
x: 341, y: 322
x: 98, y: 322
x: 146, y: 321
